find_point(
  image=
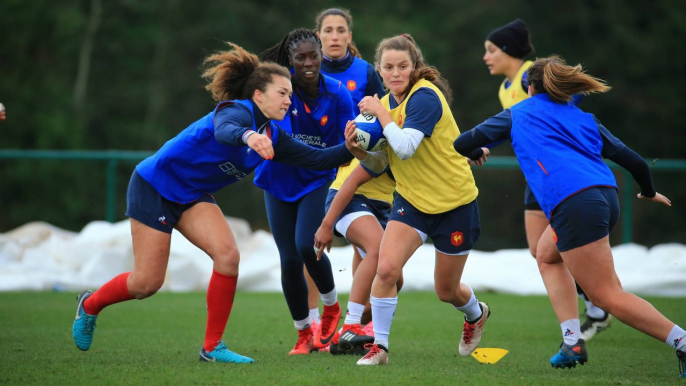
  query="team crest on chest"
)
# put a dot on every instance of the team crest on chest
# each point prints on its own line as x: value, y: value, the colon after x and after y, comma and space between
x: 400, y: 120
x: 324, y: 120
x: 351, y: 85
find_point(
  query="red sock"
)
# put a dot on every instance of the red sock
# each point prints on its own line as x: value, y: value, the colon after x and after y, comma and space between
x: 114, y: 291
x: 220, y: 294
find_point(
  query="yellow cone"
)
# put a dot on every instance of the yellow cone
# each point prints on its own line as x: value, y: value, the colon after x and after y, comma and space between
x: 489, y: 355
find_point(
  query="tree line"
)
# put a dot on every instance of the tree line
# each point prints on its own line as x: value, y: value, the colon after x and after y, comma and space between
x: 125, y: 74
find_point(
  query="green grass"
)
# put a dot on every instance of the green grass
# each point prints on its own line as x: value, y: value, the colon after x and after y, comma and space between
x: 156, y: 341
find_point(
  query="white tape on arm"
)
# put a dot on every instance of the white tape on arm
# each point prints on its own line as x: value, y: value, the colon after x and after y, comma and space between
x: 376, y: 161
x: 404, y: 141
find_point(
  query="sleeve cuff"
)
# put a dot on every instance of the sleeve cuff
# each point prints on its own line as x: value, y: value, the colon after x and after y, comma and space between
x: 245, y: 136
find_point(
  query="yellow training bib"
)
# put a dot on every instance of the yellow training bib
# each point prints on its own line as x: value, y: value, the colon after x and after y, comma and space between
x: 380, y: 188
x: 436, y: 178
x: 515, y: 93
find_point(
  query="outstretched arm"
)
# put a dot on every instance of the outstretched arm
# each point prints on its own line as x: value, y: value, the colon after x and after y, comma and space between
x: 293, y: 152
x: 472, y: 144
x: 469, y: 144
x: 622, y: 155
x: 324, y: 236
x: 637, y: 166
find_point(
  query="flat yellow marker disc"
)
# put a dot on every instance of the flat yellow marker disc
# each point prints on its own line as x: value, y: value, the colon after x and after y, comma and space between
x: 489, y: 355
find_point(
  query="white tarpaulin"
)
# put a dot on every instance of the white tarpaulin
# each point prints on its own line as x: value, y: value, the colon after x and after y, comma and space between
x: 39, y: 256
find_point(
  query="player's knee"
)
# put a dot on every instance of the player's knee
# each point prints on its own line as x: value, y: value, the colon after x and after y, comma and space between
x: 445, y: 293
x: 544, y: 260
x: 306, y: 249
x: 604, y: 300
x: 444, y: 296
x: 227, y: 259
x: 540, y: 263
x: 387, y: 273
x: 146, y: 289
x: 291, y: 267
x: 532, y: 250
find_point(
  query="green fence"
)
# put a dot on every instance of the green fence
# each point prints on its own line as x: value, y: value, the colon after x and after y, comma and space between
x: 114, y: 157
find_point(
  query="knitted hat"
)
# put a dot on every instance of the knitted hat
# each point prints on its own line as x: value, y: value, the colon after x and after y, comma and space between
x: 512, y: 38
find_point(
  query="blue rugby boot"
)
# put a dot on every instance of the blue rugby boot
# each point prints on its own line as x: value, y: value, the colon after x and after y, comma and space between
x: 222, y: 354
x: 682, y: 363
x: 84, y: 324
x: 570, y: 355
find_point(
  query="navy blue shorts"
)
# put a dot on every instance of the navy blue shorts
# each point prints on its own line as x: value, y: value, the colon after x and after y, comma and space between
x: 453, y: 232
x: 585, y: 217
x: 144, y: 204
x: 530, y: 201
x: 359, y: 203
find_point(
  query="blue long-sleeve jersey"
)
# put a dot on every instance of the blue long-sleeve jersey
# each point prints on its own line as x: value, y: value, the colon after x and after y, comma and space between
x: 210, y: 154
x: 559, y: 147
x: 319, y: 124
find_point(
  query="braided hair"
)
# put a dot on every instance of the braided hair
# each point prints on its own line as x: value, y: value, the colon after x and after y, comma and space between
x: 282, y: 53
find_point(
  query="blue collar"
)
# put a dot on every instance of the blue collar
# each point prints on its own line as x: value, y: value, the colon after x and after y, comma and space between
x: 337, y: 65
x: 336, y: 61
x: 260, y: 119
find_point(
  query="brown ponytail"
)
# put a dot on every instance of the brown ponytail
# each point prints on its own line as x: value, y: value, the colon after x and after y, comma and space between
x: 561, y: 81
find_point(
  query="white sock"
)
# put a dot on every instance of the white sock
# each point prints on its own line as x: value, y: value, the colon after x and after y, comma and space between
x: 471, y: 310
x: 314, y: 315
x: 677, y: 338
x: 594, y: 311
x: 383, y: 310
x: 329, y: 299
x: 571, y: 331
x: 354, y: 313
x: 302, y: 324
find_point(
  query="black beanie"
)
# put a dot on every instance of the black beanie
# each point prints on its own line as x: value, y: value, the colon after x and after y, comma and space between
x: 512, y: 38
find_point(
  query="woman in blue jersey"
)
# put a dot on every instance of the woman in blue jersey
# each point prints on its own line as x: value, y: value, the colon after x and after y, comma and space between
x: 294, y: 196
x: 173, y: 190
x: 506, y: 47
x: 560, y: 150
x: 436, y: 193
x: 341, y: 60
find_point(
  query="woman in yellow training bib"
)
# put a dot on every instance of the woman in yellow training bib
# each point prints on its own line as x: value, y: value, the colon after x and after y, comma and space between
x: 357, y: 208
x: 436, y: 194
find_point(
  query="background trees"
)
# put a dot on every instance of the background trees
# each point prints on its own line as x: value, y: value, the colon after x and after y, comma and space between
x: 125, y: 74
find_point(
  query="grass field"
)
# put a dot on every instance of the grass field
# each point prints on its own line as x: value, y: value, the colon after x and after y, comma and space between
x: 156, y: 342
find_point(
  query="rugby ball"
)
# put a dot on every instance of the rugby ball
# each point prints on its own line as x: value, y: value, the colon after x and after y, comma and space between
x: 369, y: 132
